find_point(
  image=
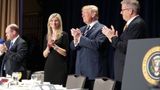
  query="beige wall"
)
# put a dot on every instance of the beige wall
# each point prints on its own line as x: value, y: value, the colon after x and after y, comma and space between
x: 9, y: 13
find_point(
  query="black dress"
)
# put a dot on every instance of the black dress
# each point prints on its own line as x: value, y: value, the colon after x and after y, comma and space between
x: 55, y: 70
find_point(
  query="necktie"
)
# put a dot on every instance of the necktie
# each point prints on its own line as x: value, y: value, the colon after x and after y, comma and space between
x: 11, y: 44
x: 87, y: 29
x: 124, y: 28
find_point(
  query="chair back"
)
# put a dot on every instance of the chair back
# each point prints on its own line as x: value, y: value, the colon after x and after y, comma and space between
x: 75, y: 81
x: 104, y: 84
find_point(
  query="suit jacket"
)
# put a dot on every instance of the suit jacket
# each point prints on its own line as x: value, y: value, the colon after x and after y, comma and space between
x: 135, y: 30
x: 14, y: 59
x: 88, y: 59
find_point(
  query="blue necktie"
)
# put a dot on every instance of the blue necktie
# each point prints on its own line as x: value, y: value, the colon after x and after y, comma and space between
x: 11, y: 44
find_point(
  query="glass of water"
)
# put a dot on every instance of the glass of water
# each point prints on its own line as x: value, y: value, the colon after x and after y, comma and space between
x: 16, y: 77
x: 34, y: 77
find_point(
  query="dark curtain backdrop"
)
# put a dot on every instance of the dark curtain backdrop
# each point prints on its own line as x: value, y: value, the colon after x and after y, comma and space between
x: 109, y: 14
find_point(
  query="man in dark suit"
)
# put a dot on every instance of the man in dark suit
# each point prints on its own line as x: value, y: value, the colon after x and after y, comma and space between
x: 15, y: 49
x: 134, y: 29
x: 88, y: 41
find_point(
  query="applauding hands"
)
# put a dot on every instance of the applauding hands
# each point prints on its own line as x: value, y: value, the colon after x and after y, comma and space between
x: 76, y: 33
x: 109, y: 32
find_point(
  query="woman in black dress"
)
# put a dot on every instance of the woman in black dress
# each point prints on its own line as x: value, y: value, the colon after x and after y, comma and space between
x: 56, y: 48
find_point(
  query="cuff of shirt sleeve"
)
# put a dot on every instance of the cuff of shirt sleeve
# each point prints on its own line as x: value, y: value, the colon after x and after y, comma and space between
x: 76, y: 42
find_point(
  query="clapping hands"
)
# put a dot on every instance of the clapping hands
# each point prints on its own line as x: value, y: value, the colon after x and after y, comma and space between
x: 50, y: 43
x: 76, y: 33
x: 109, y: 32
x: 3, y: 48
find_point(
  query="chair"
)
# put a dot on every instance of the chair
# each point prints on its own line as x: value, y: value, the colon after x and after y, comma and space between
x: 104, y: 84
x: 75, y: 81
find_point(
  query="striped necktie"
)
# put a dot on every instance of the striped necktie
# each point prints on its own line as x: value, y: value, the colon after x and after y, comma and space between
x: 87, y: 29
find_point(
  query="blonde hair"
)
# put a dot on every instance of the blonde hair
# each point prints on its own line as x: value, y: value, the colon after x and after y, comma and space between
x: 133, y: 4
x: 59, y: 30
x: 92, y: 8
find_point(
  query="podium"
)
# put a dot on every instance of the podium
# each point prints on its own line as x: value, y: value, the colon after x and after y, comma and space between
x: 135, y: 77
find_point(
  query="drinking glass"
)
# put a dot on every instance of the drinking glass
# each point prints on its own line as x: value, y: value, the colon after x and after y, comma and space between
x: 34, y: 77
x: 16, y: 76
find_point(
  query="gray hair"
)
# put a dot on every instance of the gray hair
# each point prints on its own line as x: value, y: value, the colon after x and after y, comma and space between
x: 133, y: 4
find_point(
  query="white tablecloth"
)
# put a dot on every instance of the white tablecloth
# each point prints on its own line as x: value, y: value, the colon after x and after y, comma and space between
x: 32, y: 85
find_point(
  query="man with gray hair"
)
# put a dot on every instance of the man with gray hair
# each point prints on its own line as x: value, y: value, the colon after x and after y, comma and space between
x: 135, y: 28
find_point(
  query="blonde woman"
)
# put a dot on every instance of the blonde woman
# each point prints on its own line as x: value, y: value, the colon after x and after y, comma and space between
x: 55, y: 52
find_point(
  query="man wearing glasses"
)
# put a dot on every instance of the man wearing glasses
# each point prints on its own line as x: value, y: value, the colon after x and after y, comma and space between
x: 134, y: 29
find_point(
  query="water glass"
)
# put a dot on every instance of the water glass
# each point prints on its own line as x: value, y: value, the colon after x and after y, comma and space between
x: 34, y: 77
x: 15, y: 76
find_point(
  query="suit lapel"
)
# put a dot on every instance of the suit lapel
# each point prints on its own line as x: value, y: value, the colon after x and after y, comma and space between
x: 15, y: 43
x: 95, y: 26
x: 133, y: 21
x: 129, y: 26
x: 7, y: 43
x: 123, y: 35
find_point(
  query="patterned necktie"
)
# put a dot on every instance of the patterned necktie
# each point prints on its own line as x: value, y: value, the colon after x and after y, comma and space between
x: 87, y: 29
x: 124, y: 28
